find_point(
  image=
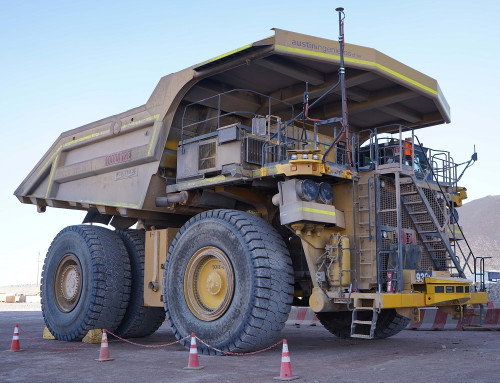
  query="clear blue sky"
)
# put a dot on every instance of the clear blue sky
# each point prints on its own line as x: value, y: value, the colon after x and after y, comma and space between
x: 66, y: 63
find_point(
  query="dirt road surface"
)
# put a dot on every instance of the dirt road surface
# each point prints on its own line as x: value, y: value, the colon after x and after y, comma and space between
x: 316, y: 357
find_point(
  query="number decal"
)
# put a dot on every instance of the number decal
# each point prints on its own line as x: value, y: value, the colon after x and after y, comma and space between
x: 420, y: 275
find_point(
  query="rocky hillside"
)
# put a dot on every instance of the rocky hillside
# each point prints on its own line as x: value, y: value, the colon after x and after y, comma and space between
x: 480, y: 220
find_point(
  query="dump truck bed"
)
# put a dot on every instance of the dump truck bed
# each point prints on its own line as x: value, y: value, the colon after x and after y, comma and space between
x: 120, y: 164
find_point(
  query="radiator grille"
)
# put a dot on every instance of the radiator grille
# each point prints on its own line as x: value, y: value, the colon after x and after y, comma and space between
x: 206, y: 156
x: 253, y: 150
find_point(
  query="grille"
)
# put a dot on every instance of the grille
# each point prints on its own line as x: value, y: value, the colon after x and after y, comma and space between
x: 206, y: 156
x: 253, y: 150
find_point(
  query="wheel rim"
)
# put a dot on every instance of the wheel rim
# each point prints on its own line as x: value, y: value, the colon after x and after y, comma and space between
x: 68, y: 283
x: 209, y: 283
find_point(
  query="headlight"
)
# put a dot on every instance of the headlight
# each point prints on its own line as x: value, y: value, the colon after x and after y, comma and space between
x: 307, y: 190
x: 325, y: 193
x: 294, y: 157
x: 315, y: 156
x: 305, y: 156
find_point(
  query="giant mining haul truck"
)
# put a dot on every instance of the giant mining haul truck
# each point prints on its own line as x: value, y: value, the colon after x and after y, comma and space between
x: 285, y: 172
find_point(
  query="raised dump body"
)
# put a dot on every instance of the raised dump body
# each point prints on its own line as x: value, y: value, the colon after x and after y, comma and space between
x: 252, y: 193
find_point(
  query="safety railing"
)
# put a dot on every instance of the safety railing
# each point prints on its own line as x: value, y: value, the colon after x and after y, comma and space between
x: 219, y: 103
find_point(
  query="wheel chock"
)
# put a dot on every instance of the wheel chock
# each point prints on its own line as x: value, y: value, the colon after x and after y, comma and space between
x: 93, y: 336
x: 47, y: 334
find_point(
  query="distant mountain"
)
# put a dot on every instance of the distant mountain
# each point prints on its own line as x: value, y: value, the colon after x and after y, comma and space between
x: 480, y: 221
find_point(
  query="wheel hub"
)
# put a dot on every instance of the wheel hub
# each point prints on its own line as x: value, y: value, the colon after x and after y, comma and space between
x: 209, y: 283
x: 68, y: 283
x: 214, y: 283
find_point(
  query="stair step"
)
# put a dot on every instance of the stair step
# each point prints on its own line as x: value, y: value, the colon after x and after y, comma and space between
x: 409, y: 193
x: 364, y: 322
x: 386, y: 210
x: 361, y: 336
x: 419, y: 212
x: 413, y: 203
x: 437, y: 241
x: 426, y: 231
x: 432, y: 250
x: 423, y: 222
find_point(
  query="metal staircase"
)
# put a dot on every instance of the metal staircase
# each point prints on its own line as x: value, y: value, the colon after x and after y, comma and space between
x: 430, y: 223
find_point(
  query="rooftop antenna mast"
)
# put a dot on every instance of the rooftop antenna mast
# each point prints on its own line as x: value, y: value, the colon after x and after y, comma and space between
x: 345, y: 124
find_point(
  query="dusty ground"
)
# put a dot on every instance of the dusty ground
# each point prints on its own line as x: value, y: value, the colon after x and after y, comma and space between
x: 20, y: 289
x: 316, y: 356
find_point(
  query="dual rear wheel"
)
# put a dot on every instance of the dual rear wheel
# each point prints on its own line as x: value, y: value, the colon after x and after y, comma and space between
x: 92, y: 278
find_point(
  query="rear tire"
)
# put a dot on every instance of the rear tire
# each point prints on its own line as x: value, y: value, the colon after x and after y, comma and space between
x: 389, y: 323
x: 85, y: 282
x: 139, y: 320
x: 229, y: 279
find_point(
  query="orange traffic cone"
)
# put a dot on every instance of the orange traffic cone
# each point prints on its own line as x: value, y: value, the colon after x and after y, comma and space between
x: 286, y: 367
x: 193, y: 363
x: 14, y: 346
x: 104, y: 354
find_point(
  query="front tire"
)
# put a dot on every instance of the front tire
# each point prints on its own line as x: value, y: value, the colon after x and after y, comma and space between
x: 85, y: 282
x: 389, y: 323
x: 229, y: 279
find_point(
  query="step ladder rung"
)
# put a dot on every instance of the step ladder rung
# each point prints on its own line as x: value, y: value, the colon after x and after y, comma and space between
x: 362, y: 223
x: 360, y: 336
x: 363, y: 322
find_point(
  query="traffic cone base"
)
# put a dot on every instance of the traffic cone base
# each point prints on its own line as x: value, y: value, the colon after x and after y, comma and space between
x: 14, y: 346
x: 286, y: 379
x: 193, y: 363
x: 286, y: 367
x: 194, y: 368
x: 104, y: 353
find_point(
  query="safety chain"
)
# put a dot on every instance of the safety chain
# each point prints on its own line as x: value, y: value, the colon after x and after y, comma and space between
x: 148, y: 345
x: 58, y: 348
x: 240, y: 353
x: 96, y: 336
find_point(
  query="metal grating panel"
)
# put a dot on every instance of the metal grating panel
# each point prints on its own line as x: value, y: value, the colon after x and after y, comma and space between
x: 253, y: 150
x: 206, y: 156
x: 389, y: 218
